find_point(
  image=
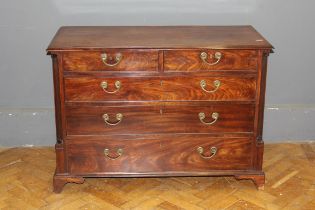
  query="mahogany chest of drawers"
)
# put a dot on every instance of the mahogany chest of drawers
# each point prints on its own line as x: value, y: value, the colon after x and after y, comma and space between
x: 159, y: 101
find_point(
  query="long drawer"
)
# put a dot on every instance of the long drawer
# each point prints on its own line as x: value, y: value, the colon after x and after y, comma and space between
x: 214, y: 88
x: 174, y: 118
x: 168, y: 153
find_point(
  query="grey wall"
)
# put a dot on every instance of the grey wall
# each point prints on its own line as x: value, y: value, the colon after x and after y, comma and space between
x: 26, y: 27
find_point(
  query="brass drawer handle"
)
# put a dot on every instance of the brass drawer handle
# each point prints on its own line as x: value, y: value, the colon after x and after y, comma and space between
x: 214, y: 115
x: 213, y: 151
x: 104, y: 86
x: 217, y: 56
x: 118, y: 58
x: 119, y: 153
x: 216, y: 84
x: 119, y: 118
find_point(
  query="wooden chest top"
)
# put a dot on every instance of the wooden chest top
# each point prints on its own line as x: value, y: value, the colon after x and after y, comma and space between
x: 169, y: 37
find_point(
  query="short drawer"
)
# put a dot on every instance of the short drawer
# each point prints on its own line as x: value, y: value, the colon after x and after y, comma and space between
x: 168, y: 153
x: 112, y: 89
x: 167, y: 118
x: 201, y: 60
x: 111, y: 60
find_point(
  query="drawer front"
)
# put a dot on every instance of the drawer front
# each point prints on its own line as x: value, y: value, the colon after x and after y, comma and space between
x: 175, y: 118
x: 210, y: 88
x: 113, y: 60
x: 178, y: 88
x: 168, y: 153
x: 194, y: 60
x: 116, y: 89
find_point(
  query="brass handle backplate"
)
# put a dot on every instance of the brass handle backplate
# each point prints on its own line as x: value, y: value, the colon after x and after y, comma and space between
x: 104, y: 86
x: 214, y: 115
x: 213, y: 151
x: 216, y: 84
x: 119, y: 118
x: 118, y: 58
x: 217, y: 56
x: 119, y: 153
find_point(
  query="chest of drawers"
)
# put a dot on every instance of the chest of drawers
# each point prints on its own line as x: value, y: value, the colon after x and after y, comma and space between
x: 159, y: 101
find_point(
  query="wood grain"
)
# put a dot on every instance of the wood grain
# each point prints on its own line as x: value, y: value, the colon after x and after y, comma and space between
x: 132, y: 89
x: 26, y: 183
x: 140, y: 60
x: 60, y: 181
x: 87, y: 120
x: 189, y: 60
x: 258, y: 179
x: 57, y: 97
x: 181, y: 88
x: 207, y: 37
x: 168, y: 153
x: 188, y: 88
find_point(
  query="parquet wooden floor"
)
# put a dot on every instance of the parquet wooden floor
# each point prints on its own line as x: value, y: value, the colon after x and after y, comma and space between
x: 26, y: 183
